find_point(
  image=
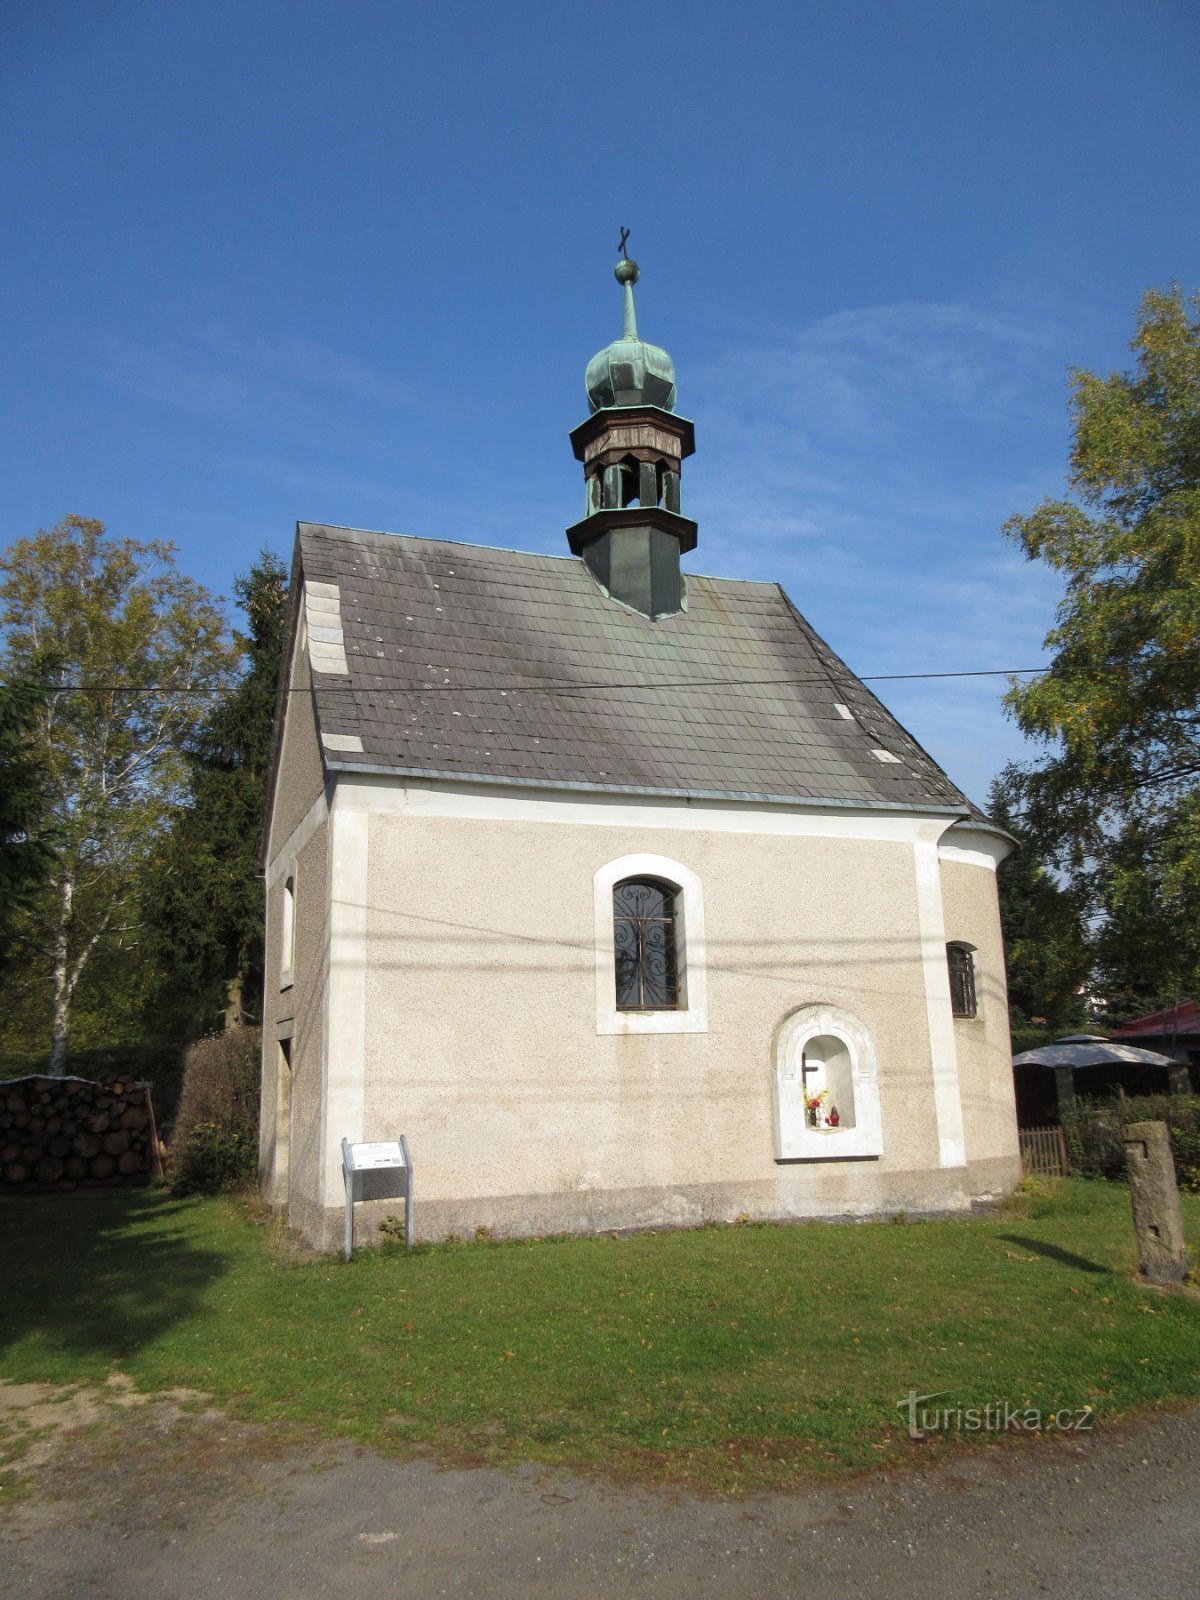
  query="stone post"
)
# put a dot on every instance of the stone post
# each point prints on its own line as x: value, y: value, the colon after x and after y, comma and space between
x: 1179, y: 1079
x: 1157, y: 1217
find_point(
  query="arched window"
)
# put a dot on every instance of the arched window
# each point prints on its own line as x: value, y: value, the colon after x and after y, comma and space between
x: 960, y: 958
x: 645, y: 945
x: 650, y: 961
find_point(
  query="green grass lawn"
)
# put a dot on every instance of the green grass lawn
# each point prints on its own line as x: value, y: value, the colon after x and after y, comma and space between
x: 728, y: 1357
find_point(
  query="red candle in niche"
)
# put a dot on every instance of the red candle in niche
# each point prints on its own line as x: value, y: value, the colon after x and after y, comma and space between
x: 833, y: 1119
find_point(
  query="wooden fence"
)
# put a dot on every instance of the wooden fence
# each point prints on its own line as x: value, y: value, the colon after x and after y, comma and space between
x: 1044, y: 1151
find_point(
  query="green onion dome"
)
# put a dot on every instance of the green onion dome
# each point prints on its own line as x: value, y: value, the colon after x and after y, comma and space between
x: 630, y: 372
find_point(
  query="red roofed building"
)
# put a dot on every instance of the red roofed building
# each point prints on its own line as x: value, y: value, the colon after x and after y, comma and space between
x: 1175, y: 1031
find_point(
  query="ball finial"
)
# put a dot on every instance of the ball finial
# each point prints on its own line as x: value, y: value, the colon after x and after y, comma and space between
x: 626, y: 270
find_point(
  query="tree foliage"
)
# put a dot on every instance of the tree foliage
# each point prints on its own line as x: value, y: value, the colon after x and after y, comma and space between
x: 26, y: 831
x: 205, y: 907
x: 140, y: 653
x: 1114, y: 798
x: 1149, y: 912
x: 1046, y: 947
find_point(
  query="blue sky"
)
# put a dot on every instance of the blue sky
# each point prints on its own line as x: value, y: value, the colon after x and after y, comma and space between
x: 347, y: 262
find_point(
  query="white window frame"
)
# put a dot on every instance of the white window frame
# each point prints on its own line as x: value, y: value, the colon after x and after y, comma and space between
x: 691, y: 1013
x: 794, y: 1139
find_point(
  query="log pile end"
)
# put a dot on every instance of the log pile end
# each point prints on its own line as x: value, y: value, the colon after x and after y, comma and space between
x: 71, y: 1133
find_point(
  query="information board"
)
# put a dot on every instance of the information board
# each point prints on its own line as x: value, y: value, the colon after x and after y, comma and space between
x: 370, y: 1157
x: 390, y: 1155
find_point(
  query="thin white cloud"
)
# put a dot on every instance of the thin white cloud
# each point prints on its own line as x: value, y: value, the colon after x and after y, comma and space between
x: 881, y: 367
x: 307, y: 362
x: 865, y: 466
x: 290, y: 387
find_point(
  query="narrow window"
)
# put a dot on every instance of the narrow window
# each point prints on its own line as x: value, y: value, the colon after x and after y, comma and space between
x: 288, y: 940
x: 961, y: 961
x: 645, y: 945
x: 283, y: 1123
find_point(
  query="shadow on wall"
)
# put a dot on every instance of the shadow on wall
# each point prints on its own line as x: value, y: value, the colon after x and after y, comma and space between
x: 98, y: 1275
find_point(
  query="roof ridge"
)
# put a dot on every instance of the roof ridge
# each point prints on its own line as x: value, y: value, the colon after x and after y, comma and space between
x: 507, y: 550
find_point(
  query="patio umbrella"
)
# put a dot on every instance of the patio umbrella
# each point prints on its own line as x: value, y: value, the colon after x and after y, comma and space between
x: 1090, y: 1050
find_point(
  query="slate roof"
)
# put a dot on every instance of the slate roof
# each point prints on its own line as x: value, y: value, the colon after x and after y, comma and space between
x: 469, y: 661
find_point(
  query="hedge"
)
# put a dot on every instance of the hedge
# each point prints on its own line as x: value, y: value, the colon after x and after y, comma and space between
x: 1094, y: 1133
x: 215, y: 1144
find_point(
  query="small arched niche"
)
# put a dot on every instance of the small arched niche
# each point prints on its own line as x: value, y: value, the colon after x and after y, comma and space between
x: 825, y: 1056
x: 829, y: 1075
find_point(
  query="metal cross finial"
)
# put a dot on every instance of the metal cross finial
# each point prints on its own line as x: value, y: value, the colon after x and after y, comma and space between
x: 621, y: 246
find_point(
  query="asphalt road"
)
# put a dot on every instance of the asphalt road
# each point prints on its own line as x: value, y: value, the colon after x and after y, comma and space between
x: 171, y: 1507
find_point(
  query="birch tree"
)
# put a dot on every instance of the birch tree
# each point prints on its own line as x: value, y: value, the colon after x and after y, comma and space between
x: 140, y: 654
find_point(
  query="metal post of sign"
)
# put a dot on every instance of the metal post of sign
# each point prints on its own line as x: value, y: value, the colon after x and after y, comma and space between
x: 408, y: 1194
x: 391, y: 1156
x: 348, y: 1175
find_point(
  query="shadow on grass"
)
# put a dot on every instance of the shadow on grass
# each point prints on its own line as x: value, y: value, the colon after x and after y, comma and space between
x: 1053, y: 1252
x: 99, y: 1274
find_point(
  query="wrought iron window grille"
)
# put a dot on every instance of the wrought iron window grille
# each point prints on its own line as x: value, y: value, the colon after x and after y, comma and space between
x: 645, y: 941
x: 961, y: 962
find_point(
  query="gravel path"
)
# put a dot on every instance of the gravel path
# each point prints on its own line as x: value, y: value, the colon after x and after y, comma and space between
x: 164, y: 1505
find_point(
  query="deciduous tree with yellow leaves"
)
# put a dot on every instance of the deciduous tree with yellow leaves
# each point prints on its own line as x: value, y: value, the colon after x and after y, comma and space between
x: 1116, y: 797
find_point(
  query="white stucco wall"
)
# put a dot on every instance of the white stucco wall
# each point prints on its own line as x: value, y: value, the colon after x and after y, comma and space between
x: 300, y: 777
x: 983, y: 1044
x: 296, y: 1013
x: 291, y: 1104
x: 463, y: 1011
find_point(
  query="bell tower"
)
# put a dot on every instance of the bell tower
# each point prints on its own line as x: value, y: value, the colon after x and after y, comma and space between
x: 632, y: 447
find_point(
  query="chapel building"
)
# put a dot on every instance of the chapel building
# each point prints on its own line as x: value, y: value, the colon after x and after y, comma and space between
x: 611, y: 886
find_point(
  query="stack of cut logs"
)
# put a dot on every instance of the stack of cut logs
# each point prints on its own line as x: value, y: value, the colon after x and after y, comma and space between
x: 69, y: 1133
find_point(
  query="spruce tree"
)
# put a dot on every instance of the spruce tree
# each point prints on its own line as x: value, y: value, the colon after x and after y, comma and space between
x: 1046, y: 950
x: 205, y: 907
x: 26, y: 828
